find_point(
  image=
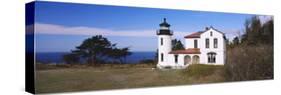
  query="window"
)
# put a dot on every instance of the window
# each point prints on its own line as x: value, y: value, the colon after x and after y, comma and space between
x: 176, y: 58
x: 195, y: 44
x: 161, y: 41
x: 211, y: 33
x: 162, y: 57
x: 212, y: 57
x: 207, y: 43
x: 215, y: 43
x: 195, y: 59
x: 187, y: 59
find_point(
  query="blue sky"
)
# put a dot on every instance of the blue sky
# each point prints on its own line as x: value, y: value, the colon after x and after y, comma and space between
x: 61, y: 27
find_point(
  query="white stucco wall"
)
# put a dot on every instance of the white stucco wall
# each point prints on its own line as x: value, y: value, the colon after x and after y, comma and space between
x: 219, y: 50
x: 165, y: 48
x: 189, y: 43
x: 180, y: 64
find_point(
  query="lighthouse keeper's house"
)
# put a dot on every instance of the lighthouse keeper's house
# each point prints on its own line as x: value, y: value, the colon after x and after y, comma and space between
x: 203, y: 47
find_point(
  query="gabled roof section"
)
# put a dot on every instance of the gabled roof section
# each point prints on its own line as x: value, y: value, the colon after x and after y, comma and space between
x: 186, y: 51
x: 194, y: 35
x: 216, y: 30
x: 197, y: 34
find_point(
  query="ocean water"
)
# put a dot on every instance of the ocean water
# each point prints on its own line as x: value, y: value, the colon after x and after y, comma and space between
x: 57, y: 57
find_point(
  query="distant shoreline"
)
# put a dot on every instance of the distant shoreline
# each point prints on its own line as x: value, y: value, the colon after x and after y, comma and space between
x: 70, y: 52
x: 57, y: 57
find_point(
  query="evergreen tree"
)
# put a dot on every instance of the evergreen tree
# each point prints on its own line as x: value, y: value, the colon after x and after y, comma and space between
x: 94, y: 48
x: 256, y: 32
x: 97, y: 48
x: 177, y: 45
x: 119, y: 54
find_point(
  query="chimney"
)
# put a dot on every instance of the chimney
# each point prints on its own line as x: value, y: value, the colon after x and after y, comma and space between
x: 207, y: 28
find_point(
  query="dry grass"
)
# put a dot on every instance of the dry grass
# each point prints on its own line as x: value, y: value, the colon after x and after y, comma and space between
x: 200, y: 73
x: 83, y: 79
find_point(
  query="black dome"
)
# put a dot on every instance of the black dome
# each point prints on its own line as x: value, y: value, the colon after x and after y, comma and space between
x: 164, y: 23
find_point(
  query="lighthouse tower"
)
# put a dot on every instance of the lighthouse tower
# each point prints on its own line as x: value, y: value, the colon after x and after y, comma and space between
x: 164, y: 44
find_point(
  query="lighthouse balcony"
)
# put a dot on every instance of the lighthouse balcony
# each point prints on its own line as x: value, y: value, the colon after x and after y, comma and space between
x: 164, y: 32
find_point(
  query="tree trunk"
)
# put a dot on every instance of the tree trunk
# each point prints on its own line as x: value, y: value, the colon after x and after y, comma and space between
x: 94, y: 61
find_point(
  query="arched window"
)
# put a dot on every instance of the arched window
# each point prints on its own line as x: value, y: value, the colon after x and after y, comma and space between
x: 187, y: 59
x: 195, y: 59
x: 211, y: 57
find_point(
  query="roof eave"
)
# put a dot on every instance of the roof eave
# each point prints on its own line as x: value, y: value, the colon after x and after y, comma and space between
x: 191, y: 37
x: 186, y: 53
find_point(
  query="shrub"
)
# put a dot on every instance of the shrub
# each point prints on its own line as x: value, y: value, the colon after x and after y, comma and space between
x: 147, y: 61
x: 71, y: 58
x: 249, y: 63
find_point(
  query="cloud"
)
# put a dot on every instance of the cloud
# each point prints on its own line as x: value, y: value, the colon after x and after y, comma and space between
x: 43, y: 28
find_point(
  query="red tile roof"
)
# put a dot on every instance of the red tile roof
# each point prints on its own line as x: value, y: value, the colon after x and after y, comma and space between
x: 194, y: 35
x: 186, y: 51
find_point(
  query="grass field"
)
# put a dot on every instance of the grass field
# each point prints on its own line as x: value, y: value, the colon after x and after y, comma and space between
x: 83, y: 79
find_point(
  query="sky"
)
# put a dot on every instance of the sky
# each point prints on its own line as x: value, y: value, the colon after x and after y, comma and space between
x: 60, y: 27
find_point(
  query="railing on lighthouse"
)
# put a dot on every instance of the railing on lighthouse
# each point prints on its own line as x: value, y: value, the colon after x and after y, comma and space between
x: 170, y: 32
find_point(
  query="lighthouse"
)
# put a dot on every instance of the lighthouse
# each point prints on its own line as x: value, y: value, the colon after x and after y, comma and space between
x: 164, y: 44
